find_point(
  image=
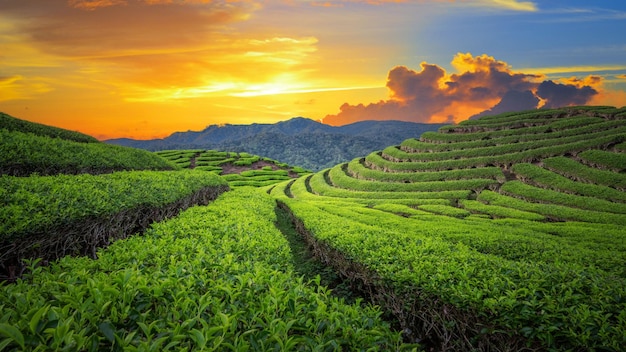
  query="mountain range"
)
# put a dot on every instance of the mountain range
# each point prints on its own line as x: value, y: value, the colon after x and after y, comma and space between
x: 298, y: 141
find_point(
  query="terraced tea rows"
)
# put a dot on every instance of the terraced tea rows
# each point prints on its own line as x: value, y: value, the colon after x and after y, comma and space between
x: 503, y: 232
x: 214, y: 278
x: 47, y: 217
x: 239, y: 169
x: 207, y: 280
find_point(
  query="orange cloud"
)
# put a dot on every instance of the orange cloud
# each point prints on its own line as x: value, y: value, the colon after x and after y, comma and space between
x: 592, y: 81
x: 94, y: 4
x: 16, y: 87
x: 149, y: 50
x: 136, y: 28
x: 482, y: 84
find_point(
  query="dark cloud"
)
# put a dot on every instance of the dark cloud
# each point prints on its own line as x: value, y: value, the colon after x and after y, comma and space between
x: 406, y: 84
x: 557, y: 94
x: 482, y: 84
x: 513, y: 100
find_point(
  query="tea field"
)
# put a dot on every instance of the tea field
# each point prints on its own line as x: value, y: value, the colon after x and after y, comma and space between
x: 27, y: 148
x: 239, y: 169
x: 506, y: 233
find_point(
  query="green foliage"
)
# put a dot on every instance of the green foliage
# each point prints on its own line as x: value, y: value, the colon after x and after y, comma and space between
x: 183, y: 164
x: 553, y: 211
x: 438, y: 137
x: 339, y: 179
x: 494, y: 234
x: 254, y: 180
x: 508, y: 148
x: 22, y: 154
x: 203, y: 281
x: 49, y: 217
x: 574, y: 170
x: 554, y: 181
x: 559, y: 129
x: 376, y: 160
x: 242, y: 168
x: 320, y: 186
x: 264, y: 172
x: 10, y: 124
x: 28, y: 148
x: 174, y: 155
x: 509, y: 119
x: 221, y: 162
x: 605, y: 159
x: 299, y: 170
x: 445, y: 210
x: 504, y: 276
x: 245, y: 162
x: 499, y: 211
x: 533, y: 131
x: 545, y: 196
x: 535, y: 262
x: 215, y: 169
x: 358, y: 170
x: 399, y: 209
x: 299, y: 141
x: 35, y: 204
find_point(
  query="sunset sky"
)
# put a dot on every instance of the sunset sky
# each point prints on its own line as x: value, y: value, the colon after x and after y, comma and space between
x: 147, y: 68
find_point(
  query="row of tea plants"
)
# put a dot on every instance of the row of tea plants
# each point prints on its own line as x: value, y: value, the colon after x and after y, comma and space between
x: 215, y: 278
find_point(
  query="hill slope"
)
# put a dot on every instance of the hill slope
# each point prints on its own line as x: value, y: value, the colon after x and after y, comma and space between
x: 28, y: 148
x: 223, y: 272
x: 298, y: 141
x: 506, y: 232
x: 239, y: 169
x: 11, y: 123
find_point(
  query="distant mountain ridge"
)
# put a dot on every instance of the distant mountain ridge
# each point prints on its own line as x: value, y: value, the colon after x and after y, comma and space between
x: 298, y: 141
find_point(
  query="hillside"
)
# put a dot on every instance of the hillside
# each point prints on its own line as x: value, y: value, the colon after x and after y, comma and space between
x: 91, y: 262
x: 28, y: 148
x: 67, y: 193
x: 299, y: 141
x: 239, y: 169
x: 505, y: 232
x: 11, y: 123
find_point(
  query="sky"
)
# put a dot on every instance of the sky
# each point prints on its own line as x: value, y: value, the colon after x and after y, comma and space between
x: 147, y: 68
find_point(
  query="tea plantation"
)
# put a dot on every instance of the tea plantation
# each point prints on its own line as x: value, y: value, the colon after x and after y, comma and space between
x: 239, y: 169
x: 506, y: 233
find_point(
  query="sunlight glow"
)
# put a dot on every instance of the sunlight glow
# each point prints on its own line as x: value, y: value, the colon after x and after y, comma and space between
x: 147, y: 68
x: 270, y: 89
x: 514, y: 5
